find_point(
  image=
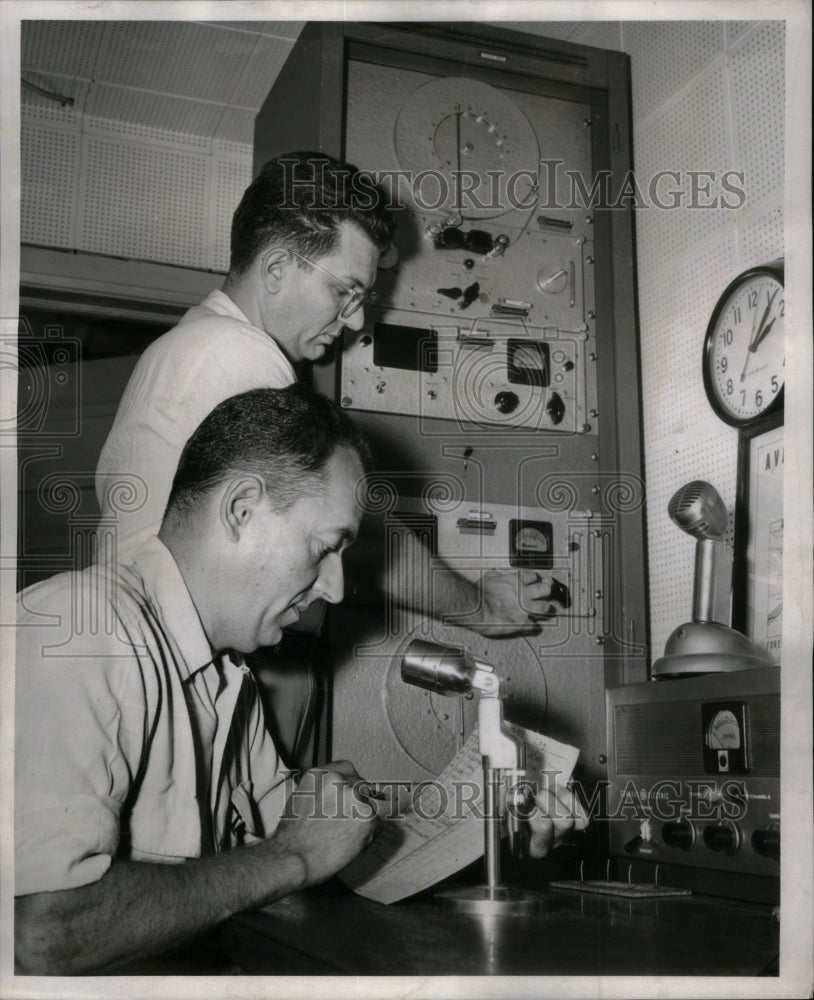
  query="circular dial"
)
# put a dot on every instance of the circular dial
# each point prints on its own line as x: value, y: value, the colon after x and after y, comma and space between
x: 468, y: 148
x: 724, y: 731
x: 744, y: 350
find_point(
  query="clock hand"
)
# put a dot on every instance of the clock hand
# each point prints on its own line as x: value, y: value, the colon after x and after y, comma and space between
x: 762, y: 331
x: 759, y: 335
x: 751, y: 341
x: 763, y: 334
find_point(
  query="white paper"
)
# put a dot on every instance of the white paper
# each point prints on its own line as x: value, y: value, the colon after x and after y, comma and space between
x: 444, y: 833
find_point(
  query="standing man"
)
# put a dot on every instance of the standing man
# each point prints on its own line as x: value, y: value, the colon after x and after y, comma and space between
x: 305, y: 242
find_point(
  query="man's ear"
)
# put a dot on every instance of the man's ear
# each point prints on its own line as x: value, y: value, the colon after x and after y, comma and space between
x: 273, y: 265
x: 239, y: 501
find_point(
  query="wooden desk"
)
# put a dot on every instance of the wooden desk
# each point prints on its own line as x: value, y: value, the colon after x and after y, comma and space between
x: 331, y: 931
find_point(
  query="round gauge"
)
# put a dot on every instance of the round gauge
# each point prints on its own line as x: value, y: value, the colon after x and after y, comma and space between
x: 744, y: 350
x: 724, y: 731
x: 552, y: 280
x: 468, y: 148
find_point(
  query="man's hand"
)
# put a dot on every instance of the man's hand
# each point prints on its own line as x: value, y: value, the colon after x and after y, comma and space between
x: 555, y: 815
x: 327, y: 820
x: 509, y: 599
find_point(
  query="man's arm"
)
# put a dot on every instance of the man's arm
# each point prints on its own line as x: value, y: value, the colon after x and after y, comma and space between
x: 501, y: 606
x: 137, y: 909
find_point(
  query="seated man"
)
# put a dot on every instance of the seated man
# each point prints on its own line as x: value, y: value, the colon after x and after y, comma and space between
x: 150, y: 802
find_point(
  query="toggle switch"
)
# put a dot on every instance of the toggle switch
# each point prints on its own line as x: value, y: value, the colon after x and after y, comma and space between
x: 555, y: 408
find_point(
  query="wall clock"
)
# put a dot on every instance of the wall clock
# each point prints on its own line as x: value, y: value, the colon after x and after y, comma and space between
x: 744, y: 351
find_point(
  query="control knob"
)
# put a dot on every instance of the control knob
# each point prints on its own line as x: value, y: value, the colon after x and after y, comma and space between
x: 678, y: 834
x: 766, y: 843
x: 722, y: 837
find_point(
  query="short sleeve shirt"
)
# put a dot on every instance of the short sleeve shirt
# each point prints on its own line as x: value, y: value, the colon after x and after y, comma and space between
x: 213, y: 353
x: 131, y: 740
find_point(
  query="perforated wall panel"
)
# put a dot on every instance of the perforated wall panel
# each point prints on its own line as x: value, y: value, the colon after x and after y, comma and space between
x: 144, y: 203
x: 758, y: 102
x: 697, y: 106
x: 686, y: 136
x: 762, y: 236
x: 230, y: 179
x: 667, y: 55
x: 50, y: 168
x: 602, y: 34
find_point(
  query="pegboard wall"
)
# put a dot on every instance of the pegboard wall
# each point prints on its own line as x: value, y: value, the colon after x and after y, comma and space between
x: 707, y: 96
x: 113, y: 187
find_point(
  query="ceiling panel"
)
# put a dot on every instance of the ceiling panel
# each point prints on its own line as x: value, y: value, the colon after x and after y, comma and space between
x: 261, y: 71
x: 174, y: 57
x: 176, y: 114
x: 68, y: 47
x: 236, y: 125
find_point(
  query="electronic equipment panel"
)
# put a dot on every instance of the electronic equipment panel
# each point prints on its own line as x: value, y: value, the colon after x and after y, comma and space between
x: 694, y: 777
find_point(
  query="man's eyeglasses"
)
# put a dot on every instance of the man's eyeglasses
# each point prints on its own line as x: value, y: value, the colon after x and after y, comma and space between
x: 356, y: 297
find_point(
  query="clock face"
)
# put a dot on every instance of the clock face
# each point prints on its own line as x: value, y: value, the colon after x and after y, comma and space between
x: 744, y: 351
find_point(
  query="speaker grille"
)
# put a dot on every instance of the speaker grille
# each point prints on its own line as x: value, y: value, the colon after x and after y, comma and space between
x: 665, y: 738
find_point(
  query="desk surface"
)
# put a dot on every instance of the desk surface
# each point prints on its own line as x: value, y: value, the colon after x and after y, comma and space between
x: 332, y: 931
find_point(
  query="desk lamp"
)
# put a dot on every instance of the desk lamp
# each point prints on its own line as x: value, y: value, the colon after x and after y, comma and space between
x: 449, y: 670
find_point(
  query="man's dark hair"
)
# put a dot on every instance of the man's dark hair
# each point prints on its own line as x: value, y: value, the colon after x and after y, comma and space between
x: 298, y: 201
x: 285, y: 436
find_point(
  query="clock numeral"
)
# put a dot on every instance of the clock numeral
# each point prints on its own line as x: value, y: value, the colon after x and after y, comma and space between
x: 728, y: 336
x: 775, y: 384
x: 758, y: 398
x: 782, y: 307
x: 729, y: 387
x: 753, y: 296
x: 724, y: 363
x: 737, y: 311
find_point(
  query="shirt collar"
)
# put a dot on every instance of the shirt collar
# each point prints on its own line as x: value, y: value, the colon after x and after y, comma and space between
x: 218, y: 301
x: 164, y: 587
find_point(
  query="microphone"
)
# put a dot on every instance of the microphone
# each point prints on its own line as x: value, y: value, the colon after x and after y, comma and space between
x: 698, y: 509
x: 706, y: 644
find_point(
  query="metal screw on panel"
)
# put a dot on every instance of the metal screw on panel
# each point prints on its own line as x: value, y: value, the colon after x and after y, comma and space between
x: 602, y: 758
x: 585, y: 428
x: 591, y: 612
x: 598, y: 595
x: 594, y: 456
x: 347, y: 401
x: 591, y: 314
x: 582, y: 327
x: 589, y: 514
x: 431, y: 394
x: 589, y: 260
x: 578, y: 240
x: 600, y: 641
x: 380, y: 386
x: 594, y: 489
x: 589, y: 220
x: 587, y: 122
x: 592, y: 356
